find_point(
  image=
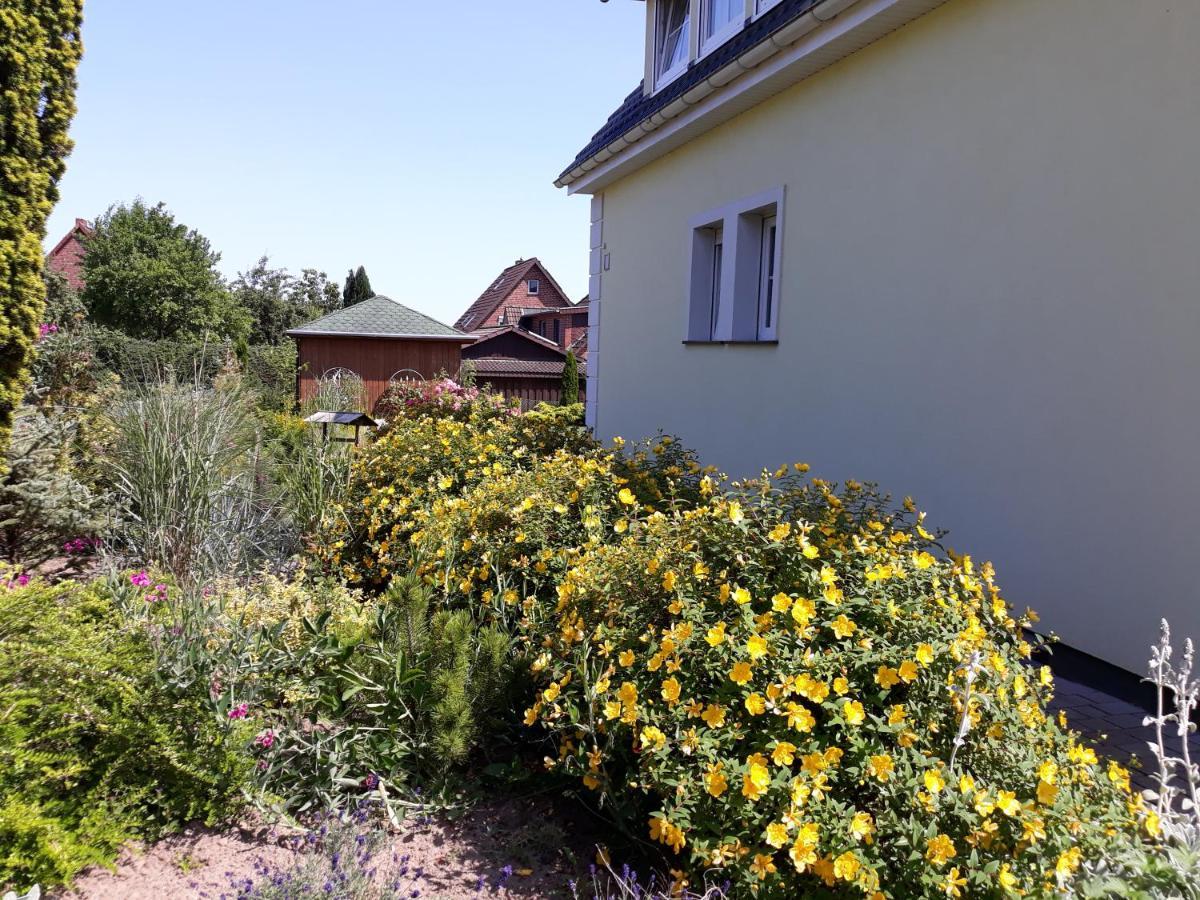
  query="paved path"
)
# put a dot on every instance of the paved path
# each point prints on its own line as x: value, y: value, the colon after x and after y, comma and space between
x: 1114, y: 725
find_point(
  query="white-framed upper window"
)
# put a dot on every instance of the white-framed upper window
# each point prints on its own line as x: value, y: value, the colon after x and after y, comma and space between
x: 671, y: 38
x: 534, y: 285
x: 719, y: 18
x: 734, y: 283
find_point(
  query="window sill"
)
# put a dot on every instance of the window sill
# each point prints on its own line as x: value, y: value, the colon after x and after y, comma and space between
x: 702, y: 343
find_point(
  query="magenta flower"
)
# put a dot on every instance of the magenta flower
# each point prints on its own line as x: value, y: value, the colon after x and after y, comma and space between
x: 140, y: 579
x: 265, y: 739
x: 241, y: 711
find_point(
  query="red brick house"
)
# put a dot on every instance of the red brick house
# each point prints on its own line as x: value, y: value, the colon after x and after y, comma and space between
x: 523, y: 326
x: 67, y: 256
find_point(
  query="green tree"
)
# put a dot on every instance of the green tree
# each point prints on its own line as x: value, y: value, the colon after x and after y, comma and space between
x: 314, y: 289
x: 570, y: 380
x: 40, y: 48
x: 357, y: 287
x: 274, y: 301
x: 151, y: 277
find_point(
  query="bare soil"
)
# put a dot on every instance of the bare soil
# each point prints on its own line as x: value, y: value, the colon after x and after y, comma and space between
x: 542, y: 844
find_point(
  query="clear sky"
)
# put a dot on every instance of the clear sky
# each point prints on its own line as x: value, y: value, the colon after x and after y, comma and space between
x: 419, y: 138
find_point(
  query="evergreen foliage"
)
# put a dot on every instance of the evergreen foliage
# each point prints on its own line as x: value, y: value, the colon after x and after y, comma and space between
x: 570, y: 380
x: 357, y: 287
x: 40, y: 48
x: 94, y: 749
x: 43, y: 504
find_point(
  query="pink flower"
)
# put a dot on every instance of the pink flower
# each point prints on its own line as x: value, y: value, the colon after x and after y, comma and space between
x: 265, y: 739
x: 20, y: 581
x: 241, y: 711
x: 140, y: 579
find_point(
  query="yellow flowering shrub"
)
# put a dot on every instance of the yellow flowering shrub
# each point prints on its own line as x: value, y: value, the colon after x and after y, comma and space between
x: 795, y: 687
x: 790, y: 683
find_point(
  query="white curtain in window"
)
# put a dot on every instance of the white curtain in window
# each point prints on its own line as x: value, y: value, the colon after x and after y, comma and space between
x: 719, y: 13
x: 671, y: 38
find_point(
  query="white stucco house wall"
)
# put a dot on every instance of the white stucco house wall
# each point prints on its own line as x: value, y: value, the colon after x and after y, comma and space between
x: 950, y: 246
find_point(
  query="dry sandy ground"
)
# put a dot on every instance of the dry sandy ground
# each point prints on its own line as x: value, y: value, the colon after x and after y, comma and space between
x: 543, y: 847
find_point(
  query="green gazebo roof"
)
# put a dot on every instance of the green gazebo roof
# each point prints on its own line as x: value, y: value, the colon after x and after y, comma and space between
x: 379, y: 317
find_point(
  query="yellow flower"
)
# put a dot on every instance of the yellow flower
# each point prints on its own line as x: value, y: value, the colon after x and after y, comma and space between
x: 862, y: 826
x: 653, y: 738
x: 621, y: 526
x: 954, y: 883
x: 626, y: 496
x: 612, y: 709
x: 757, y: 778
x: 777, y: 834
x: 1006, y: 878
x: 668, y: 581
x: 716, y: 635
x: 1152, y: 824
x: 741, y: 596
x: 934, y: 782
x: 924, y: 654
x: 714, y: 715
x: 670, y: 690
x: 663, y: 831
x: 780, y: 532
x: 843, y: 627
x: 881, y: 767
x: 853, y: 712
x: 804, y: 851
x: 762, y: 866
x: 1047, y: 793
x: 887, y: 677
x: 846, y: 866
x: 714, y: 780
x: 626, y: 658
x: 735, y: 512
x: 809, y: 551
x: 784, y: 754
x: 740, y: 673
x: 781, y: 602
x: 628, y: 693
x: 1068, y: 862
x: 802, y: 611
x: 896, y: 715
x: 551, y: 693
x: 1007, y: 803
x: 800, y: 718
x: 939, y: 850
x: 756, y: 646
x: 908, y: 671
x: 923, y: 560
x: 841, y: 686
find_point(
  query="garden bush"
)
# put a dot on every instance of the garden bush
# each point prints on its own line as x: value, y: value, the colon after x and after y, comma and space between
x: 94, y: 749
x: 788, y: 683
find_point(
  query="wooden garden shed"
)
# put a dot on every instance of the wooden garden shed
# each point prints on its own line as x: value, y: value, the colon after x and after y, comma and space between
x: 380, y: 341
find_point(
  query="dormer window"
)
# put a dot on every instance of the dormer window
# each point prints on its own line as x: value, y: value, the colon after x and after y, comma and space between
x: 671, y: 39
x: 534, y: 285
x: 718, y: 18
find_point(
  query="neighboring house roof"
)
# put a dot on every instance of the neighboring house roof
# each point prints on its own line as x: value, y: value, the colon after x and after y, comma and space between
x: 499, y: 290
x: 380, y: 317
x: 490, y: 334
x: 517, y: 368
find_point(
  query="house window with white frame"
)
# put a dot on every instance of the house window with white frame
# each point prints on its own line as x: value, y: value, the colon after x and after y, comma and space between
x: 734, y: 283
x: 671, y: 38
x: 534, y: 286
x: 718, y: 18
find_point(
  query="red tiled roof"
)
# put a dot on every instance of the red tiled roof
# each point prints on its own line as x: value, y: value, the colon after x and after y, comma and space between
x: 499, y: 290
x: 527, y: 368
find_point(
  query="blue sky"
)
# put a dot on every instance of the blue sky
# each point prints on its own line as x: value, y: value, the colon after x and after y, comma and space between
x: 419, y: 138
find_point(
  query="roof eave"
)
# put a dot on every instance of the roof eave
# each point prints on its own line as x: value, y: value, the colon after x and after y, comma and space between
x: 459, y: 339
x: 825, y: 34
